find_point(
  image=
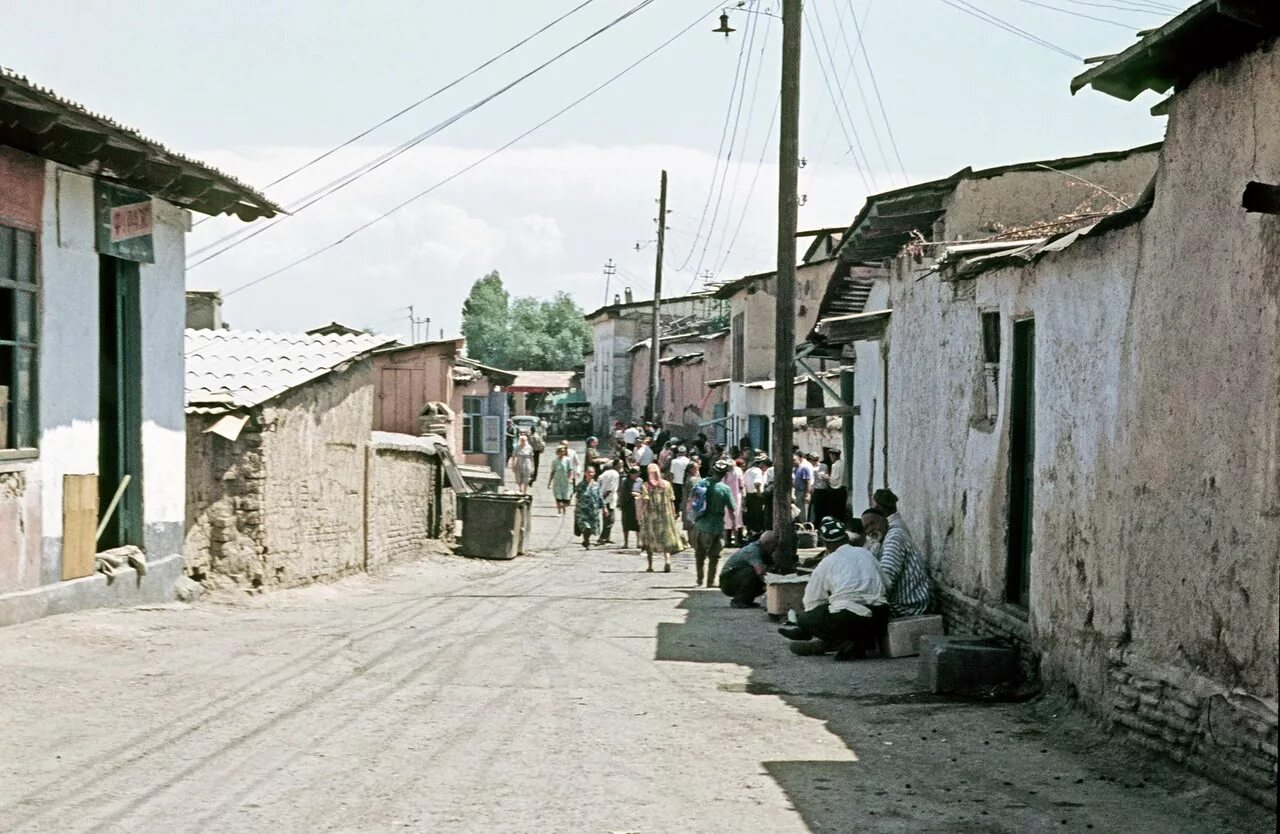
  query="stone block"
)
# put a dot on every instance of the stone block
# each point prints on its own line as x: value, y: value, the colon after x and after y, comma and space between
x: 965, y: 665
x: 901, y: 637
x: 782, y: 593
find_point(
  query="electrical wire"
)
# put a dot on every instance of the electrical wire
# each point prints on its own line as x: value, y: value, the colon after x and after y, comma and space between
x: 764, y: 148
x: 1130, y: 6
x: 455, y: 82
x: 479, y: 161
x: 1078, y: 14
x: 337, y: 185
x: 987, y: 17
x: 737, y: 173
x: 831, y: 61
x: 753, y: 26
x: 724, y: 133
x: 875, y: 86
x: 863, y: 165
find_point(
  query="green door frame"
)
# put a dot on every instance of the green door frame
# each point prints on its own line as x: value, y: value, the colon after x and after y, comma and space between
x: 120, y: 399
x: 1022, y: 442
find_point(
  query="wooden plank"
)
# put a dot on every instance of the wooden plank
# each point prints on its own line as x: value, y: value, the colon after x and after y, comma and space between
x: 829, y: 411
x: 79, y: 525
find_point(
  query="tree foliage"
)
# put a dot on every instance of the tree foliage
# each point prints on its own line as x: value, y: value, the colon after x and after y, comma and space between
x: 525, y: 333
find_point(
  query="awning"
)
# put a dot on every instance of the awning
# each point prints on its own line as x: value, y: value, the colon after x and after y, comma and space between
x: 844, y: 330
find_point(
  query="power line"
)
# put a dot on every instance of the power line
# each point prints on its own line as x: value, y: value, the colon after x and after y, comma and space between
x: 342, y: 182
x: 831, y: 61
x: 764, y: 148
x: 864, y: 166
x: 875, y: 86
x: 751, y: 108
x: 753, y: 26
x: 987, y: 17
x: 1078, y: 14
x: 1131, y: 6
x: 479, y: 161
x: 425, y: 99
x: 724, y: 132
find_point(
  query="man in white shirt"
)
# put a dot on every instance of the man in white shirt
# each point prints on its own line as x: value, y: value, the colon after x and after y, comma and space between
x: 644, y: 453
x: 754, y: 500
x: 844, y: 602
x: 630, y: 435
x: 679, y: 464
x: 609, y: 480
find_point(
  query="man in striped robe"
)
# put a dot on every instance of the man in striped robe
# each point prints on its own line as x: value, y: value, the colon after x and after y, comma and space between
x: 902, y: 565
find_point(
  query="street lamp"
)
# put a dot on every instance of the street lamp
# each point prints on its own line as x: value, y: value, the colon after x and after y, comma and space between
x: 784, y: 362
x: 724, y: 27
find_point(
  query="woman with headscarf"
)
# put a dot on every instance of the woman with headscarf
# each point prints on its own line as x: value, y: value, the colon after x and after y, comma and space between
x: 562, y: 479
x: 655, y: 509
x: 522, y: 463
x: 627, y: 505
x: 586, y: 517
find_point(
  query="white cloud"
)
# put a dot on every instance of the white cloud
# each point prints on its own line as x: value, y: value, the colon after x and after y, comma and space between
x: 546, y: 217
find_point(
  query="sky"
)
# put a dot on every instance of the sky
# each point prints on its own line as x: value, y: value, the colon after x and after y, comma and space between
x: 259, y: 88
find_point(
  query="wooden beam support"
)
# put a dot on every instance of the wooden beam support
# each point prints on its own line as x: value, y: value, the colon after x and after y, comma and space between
x: 830, y: 411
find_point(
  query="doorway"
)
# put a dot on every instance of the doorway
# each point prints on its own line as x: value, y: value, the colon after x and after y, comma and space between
x: 119, y: 400
x: 1022, y: 423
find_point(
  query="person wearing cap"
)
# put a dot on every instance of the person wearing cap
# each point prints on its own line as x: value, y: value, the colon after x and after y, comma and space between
x: 708, y: 526
x: 679, y: 466
x: 906, y: 575
x: 844, y: 603
x: 644, y: 453
x: 754, y: 501
x: 743, y: 576
x: 886, y: 502
x: 802, y: 485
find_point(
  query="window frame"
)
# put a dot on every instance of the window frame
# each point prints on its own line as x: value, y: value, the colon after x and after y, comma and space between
x: 30, y: 346
x: 473, y: 424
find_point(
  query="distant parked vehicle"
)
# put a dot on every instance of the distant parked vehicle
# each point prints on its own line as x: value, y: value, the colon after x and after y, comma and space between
x: 525, y: 424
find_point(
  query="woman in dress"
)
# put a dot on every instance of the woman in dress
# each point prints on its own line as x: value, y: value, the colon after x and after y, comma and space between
x: 631, y: 484
x: 586, y: 518
x: 733, y: 515
x: 522, y: 464
x: 562, y: 480
x: 655, y: 507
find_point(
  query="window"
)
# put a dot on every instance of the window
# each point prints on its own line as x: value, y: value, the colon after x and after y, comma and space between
x: 738, y: 349
x: 991, y: 362
x: 473, y: 424
x: 19, y: 317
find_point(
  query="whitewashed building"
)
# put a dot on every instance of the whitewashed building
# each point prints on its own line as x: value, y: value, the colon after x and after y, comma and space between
x: 93, y: 218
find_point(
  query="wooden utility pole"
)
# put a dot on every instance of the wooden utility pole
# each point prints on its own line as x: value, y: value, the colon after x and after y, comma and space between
x: 655, y: 347
x: 785, y: 346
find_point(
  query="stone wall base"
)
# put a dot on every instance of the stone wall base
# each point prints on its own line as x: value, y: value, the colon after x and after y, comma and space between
x: 97, y: 591
x: 966, y: 615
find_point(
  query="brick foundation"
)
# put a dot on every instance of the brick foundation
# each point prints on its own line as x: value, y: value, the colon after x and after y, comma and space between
x: 965, y: 615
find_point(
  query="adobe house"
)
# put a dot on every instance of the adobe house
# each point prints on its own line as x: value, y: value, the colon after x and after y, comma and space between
x: 93, y: 223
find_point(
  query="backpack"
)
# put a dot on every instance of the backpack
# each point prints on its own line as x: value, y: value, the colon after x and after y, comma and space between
x: 698, y: 501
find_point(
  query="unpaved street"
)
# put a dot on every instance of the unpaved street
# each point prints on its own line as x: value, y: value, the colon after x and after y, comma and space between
x: 565, y: 691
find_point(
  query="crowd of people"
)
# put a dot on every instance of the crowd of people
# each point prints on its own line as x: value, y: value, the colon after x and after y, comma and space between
x: 673, y: 494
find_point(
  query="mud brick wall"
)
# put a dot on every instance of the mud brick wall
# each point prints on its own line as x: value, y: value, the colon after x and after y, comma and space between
x: 225, y: 542
x: 962, y: 614
x: 408, y: 506
x: 1227, y: 735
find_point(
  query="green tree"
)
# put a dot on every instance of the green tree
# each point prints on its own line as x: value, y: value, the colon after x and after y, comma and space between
x: 524, y: 333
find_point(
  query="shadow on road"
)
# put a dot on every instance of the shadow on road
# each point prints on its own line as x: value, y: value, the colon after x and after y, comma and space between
x: 929, y: 763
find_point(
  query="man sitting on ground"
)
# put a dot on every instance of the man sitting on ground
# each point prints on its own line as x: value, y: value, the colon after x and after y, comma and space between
x: 844, y: 602
x: 743, y: 574
x: 906, y: 578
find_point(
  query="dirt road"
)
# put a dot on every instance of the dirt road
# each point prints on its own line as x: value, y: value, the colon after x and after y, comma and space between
x: 562, y: 692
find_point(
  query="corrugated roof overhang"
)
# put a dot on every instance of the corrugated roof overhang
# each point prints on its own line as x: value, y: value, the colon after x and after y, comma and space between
x: 41, y: 123
x: 844, y: 330
x: 1207, y: 35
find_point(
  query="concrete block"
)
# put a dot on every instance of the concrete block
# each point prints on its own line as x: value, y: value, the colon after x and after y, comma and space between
x: 965, y: 665
x: 901, y: 637
x: 782, y: 593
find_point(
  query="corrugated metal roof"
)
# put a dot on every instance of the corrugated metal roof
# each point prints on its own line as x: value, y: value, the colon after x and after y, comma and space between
x: 233, y: 369
x: 39, y: 121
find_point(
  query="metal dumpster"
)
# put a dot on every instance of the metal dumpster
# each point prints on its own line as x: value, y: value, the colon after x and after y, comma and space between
x: 495, y: 525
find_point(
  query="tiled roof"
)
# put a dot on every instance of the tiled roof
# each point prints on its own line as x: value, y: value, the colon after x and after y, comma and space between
x: 232, y: 369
